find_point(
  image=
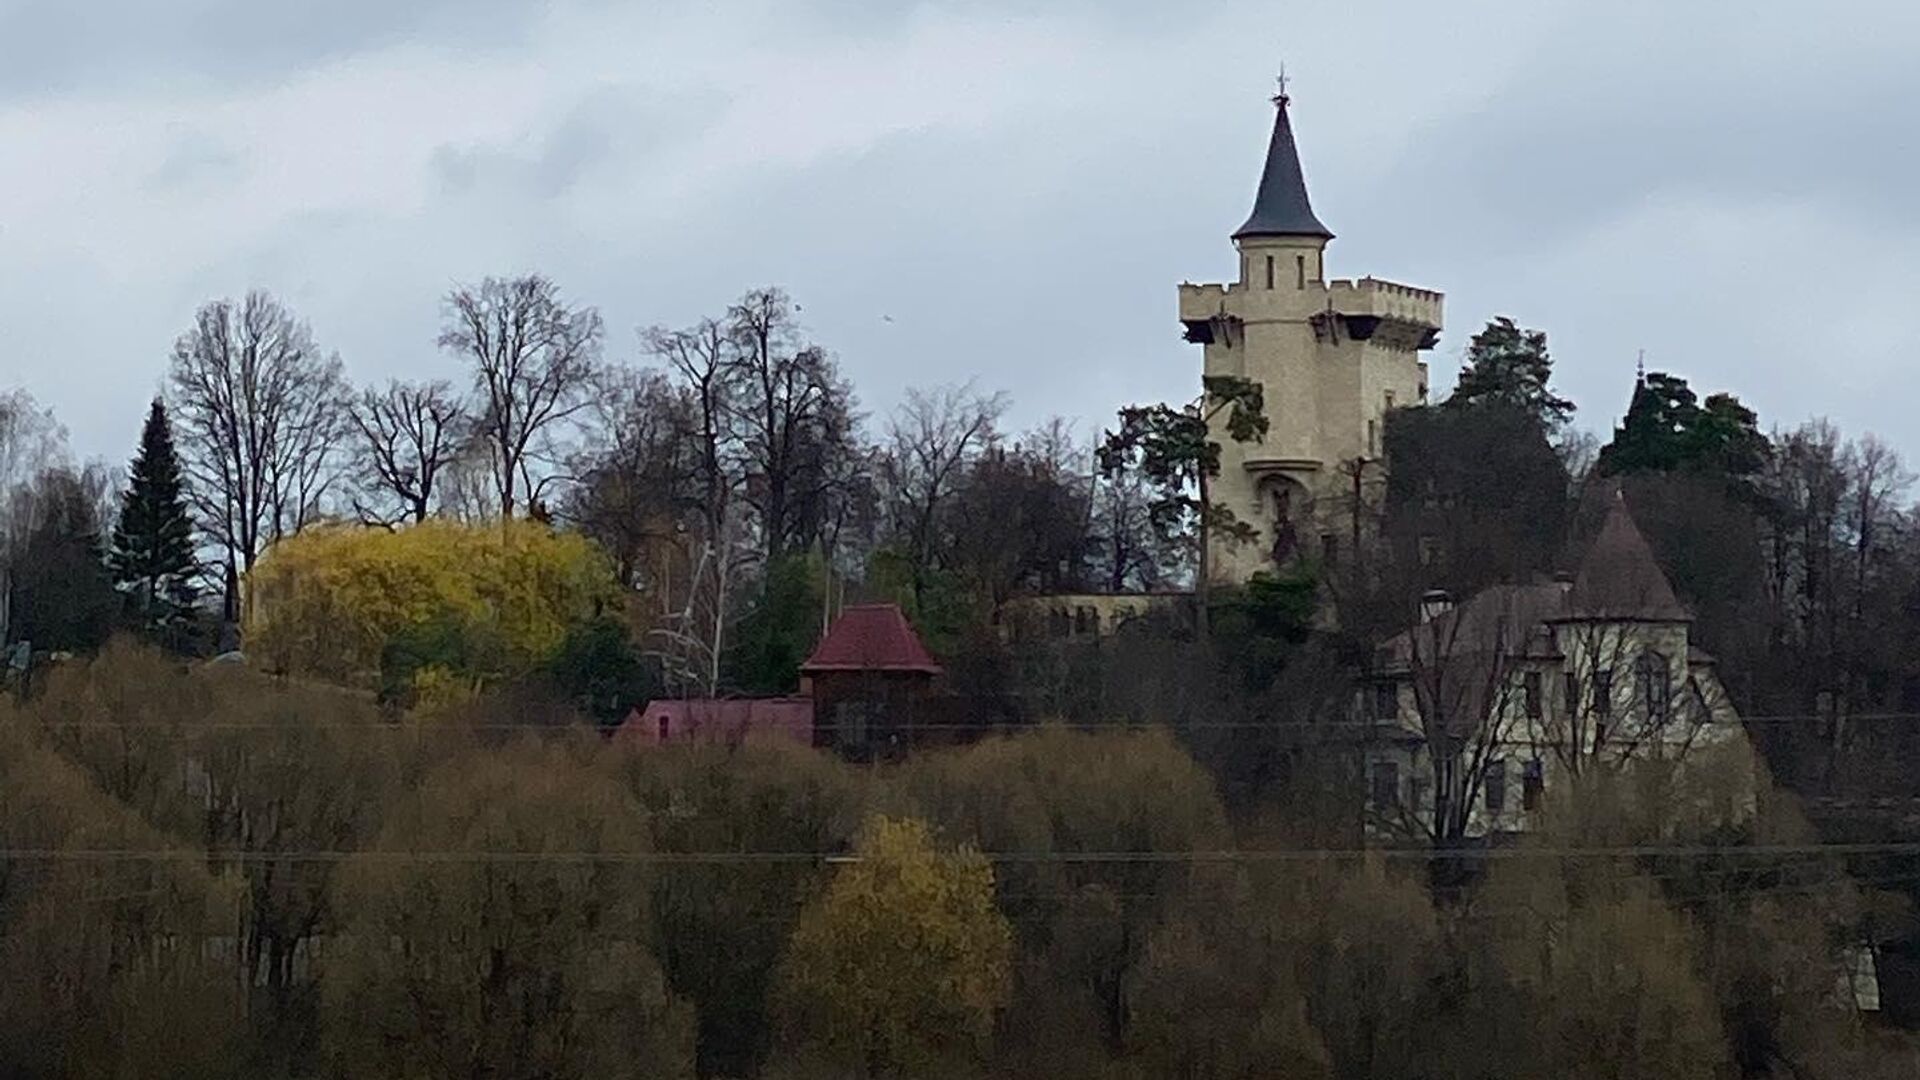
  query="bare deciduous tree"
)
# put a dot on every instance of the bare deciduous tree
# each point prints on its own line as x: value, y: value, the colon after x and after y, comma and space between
x: 793, y: 419
x: 1131, y: 552
x: 637, y: 488
x: 30, y: 438
x: 410, y: 432
x: 30, y: 442
x: 534, y: 358
x: 933, y: 437
x: 260, y: 410
x: 701, y: 359
x: 1461, y: 667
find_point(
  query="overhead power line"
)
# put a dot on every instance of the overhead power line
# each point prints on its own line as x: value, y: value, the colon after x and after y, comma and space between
x: 455, y: 725
x: 1163, y: 858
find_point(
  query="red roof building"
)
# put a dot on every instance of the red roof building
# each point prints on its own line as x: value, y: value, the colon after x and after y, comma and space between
x: 866, y: 691
x: 870, y: 679
x: 717, y: 720
x: 871, y: 637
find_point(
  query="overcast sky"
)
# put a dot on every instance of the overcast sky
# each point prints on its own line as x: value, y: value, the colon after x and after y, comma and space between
x: 1001, y: 191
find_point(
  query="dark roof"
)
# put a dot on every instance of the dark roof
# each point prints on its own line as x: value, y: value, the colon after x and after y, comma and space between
x: 1459, y: 649
x: 1280, y: 208
x: 1619, y: 578
x: 871, y: 637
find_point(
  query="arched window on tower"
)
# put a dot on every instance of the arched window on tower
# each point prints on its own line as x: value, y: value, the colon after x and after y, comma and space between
x: 1288, y: 506
x: 1300, y: 271
x: 1269, y: 271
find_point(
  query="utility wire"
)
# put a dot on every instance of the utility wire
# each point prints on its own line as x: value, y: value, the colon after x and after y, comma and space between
x: 1162, y: 858
x: 414, y: 725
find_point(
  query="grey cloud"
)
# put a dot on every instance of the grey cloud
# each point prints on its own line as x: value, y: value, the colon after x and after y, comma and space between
x: 196, y: 163
x: 612, y: 125
x: 1039, y: 251
x: 1610, y: 116
x: 49, y: 47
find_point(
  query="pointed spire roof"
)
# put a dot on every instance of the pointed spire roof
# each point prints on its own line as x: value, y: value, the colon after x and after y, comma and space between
x: 1619, y: 578
x: 1280, y: 208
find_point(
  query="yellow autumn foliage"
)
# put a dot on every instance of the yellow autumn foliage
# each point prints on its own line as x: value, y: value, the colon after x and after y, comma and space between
x: 329, y: 600
x: 902, y: 964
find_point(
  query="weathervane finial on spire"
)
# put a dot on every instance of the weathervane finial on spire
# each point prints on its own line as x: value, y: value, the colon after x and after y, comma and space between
x: 1640, y: 367
x: 1281, y: 97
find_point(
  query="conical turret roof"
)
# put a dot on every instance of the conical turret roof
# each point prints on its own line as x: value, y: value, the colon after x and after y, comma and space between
x: 1280, y: 208
x: 1620, y: 578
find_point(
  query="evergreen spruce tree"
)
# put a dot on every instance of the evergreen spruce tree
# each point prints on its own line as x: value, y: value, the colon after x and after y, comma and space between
x: 1509, y: 365
x: 152, y: 557
x: 1668, y: 429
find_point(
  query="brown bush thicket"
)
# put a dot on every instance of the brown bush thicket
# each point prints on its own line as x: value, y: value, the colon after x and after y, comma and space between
x: 497, y: 925
x: 208, y: 872
x: 106, y: 973
x: 719, y: 929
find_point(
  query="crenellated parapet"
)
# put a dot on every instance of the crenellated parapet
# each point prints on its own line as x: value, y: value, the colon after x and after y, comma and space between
x: 1388, y: 299
x: 1332, y: 357
x: 1405, y: 318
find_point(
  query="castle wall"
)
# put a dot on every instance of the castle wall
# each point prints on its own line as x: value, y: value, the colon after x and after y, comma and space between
x: 1326, y: 393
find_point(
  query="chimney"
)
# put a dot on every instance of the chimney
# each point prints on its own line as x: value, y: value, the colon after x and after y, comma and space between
x: 1434, y: 603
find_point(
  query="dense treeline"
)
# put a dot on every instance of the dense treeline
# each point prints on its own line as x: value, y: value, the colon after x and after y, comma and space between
x: 725, y: 469
x: 209, y: 872
x: 738, y: 489
x: 1798, y: 553
x: 395, y: 839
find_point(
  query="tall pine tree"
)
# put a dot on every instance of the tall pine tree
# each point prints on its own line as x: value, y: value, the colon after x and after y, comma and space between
x: 1509, y: 365
x: 1668, y: 429
x: 152, y: 557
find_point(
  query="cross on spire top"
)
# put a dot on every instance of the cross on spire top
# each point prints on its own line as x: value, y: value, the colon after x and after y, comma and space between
x: 1281, y: 79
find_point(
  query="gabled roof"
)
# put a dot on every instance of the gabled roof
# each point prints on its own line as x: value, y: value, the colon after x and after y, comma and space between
x: 1280, y: 207
x: 1620, y: 578
x: 871, y: 637
x: 1460, y: 655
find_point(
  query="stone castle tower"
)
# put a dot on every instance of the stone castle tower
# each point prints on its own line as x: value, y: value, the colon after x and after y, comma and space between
x: 1333, y: 357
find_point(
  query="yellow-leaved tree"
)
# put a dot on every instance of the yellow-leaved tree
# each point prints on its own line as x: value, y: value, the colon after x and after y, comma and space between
x: 437, y: 599
x: 899, y: 967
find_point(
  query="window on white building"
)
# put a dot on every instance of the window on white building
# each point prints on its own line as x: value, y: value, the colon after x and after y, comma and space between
x: 1530, y: 693
x: 1533, y: 784
x: 1386, y: 701
x: 1650, y: 685
x: 1495, y: 782
x: 1386, y: 785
